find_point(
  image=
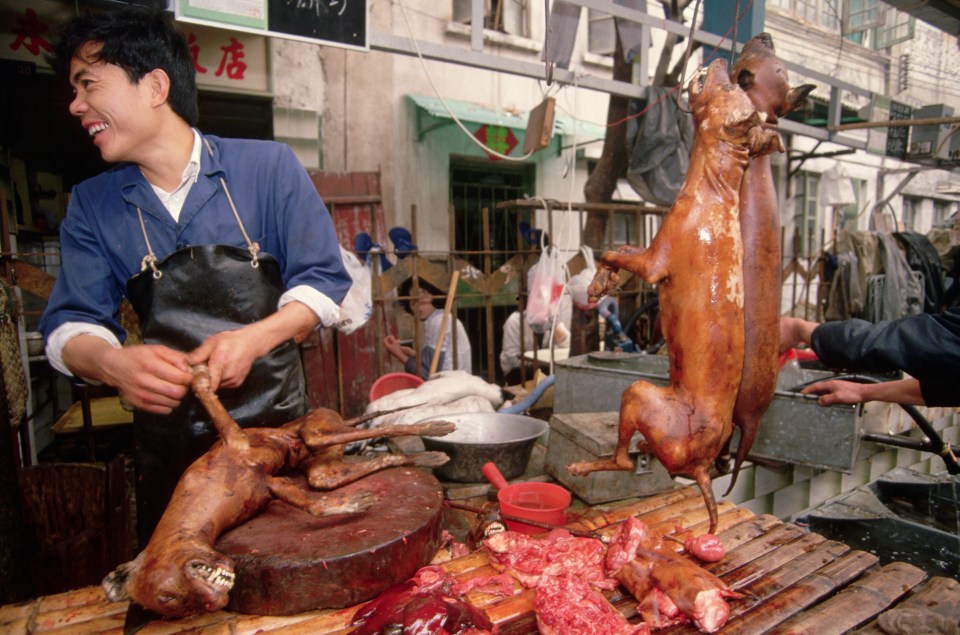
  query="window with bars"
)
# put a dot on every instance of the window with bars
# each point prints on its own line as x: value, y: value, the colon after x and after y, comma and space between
x: 942, y: 211
x: 601, y: 32
x: 806, y: 217
x: 849, y: 213
x: 506, y: 16
x: 909, y: 213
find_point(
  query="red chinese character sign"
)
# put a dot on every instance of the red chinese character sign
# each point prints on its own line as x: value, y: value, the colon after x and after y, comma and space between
x: 500, y: 139
x: 222, y: 59
x: 28, y: 29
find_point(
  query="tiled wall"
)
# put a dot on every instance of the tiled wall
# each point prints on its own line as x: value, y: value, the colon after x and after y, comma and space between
x: 788, y: 491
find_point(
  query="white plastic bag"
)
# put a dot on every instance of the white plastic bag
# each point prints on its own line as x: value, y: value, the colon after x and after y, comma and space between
x: 546, y: 287
x: 579, y: 283
x: 357, y: 306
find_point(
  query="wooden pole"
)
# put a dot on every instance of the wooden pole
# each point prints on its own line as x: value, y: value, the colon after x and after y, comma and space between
x: 451, y: 294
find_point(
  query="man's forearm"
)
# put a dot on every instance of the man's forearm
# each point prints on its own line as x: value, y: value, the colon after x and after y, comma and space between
x: 290, y: 321
x: 903, y: 391
x: 86, y: 357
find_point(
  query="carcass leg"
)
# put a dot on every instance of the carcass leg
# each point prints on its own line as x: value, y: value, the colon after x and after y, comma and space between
x: 327, y: 439
x: 319, y: 504
x: 638, y: 398
x: 230, y: 432
x: 324, y: 474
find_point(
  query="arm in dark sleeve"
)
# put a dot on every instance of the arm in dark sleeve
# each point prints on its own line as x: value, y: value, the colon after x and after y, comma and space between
x: 926, y: 346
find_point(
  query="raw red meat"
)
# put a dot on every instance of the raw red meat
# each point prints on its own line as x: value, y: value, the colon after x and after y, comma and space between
x: 501, y: 584
x: 706, y: 548
x: 558, y: 553
x: 423, y: 605
x: 566, y: 605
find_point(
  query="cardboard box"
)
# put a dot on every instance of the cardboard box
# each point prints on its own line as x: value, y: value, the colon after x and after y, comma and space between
x: 590, y: 436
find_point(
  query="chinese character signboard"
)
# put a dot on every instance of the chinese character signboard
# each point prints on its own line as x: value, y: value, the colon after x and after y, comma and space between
x: 500, y: 139
x: 897, y: 135
x: 340, y: 23
x: 227, y: 60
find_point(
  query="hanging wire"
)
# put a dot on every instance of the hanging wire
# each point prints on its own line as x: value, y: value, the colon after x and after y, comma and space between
x: 733, y: 40
x: 426, y: 72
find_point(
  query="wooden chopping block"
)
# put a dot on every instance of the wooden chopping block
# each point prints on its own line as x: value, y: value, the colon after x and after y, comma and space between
x: 288, y: 561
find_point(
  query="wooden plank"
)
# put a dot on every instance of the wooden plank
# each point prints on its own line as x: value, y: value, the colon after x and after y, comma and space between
x: 736, y: 576
x: 773, y: 580
x: 939, y: 596
x: 693, y: 515
x: 775, y: 538
x: 604, y: 517
x: 766, y: 615
x: 857, y: 603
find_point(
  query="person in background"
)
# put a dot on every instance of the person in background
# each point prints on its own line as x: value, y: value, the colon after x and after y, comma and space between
x: 532, y: 340
x: 925, y: 346
x: 222, y: 246
x: 427, y: 306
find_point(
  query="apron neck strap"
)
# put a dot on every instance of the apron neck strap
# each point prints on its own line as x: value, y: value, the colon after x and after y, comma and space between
x: 150, y: 260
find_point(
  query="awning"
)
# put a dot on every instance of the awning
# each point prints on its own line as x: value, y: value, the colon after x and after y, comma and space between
x: 431, y: 115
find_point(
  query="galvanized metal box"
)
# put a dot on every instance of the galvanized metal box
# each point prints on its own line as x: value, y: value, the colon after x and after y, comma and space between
x: 795, y: 429
x: 591, y: 436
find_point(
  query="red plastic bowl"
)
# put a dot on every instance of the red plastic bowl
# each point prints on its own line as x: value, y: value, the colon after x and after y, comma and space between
x: 392, y: 382
x: 543, y: 502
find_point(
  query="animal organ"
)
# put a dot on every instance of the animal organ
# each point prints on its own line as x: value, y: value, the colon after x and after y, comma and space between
x: 179, y: 573
x: 696, y: 259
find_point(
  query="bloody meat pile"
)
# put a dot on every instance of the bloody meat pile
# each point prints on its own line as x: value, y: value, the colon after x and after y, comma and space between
x: 179, y: 573
x: 571, y: 572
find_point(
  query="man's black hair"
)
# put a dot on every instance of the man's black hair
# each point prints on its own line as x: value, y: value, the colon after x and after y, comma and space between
x: 138, y: 40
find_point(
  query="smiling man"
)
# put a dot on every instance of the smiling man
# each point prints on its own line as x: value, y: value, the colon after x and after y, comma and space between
x: 222, y: 246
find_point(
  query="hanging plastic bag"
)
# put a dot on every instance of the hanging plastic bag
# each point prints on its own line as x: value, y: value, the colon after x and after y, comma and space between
x: 546, y: 287
x: 357, y: 306
x: 579, y: 283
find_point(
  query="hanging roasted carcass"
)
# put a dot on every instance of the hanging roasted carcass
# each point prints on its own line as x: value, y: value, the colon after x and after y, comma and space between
x: 696, y: 259
x: 764, y: 78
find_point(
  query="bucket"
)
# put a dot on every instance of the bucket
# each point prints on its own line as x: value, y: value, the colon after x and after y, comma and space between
x: 541, y: 502
x: 392, y: 382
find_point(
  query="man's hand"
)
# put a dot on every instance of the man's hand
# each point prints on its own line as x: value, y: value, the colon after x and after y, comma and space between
x: 149, y: 377
x: 229, y: 355
x: 836, y: 391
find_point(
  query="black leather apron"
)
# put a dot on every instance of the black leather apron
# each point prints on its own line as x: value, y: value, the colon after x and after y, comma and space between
x: 181, y: 300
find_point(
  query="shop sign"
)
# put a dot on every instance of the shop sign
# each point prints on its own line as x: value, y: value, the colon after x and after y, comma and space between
x: 498, y: 138
x: 223, y: 59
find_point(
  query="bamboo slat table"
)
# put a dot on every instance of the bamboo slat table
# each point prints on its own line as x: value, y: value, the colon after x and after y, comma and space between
x: 794, y: 582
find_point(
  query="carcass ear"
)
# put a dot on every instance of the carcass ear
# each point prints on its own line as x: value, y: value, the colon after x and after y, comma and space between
x: 115, y: 584
x: 796, y: 95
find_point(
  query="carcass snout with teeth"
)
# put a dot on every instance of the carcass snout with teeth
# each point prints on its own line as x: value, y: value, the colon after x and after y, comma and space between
x: 179, y: 573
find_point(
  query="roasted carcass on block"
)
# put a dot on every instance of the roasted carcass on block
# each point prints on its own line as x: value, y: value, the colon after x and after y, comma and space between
x: 696, y: 259
x: 179, y: 573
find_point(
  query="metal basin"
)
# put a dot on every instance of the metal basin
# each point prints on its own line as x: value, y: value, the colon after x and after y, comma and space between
x: 505, y: 439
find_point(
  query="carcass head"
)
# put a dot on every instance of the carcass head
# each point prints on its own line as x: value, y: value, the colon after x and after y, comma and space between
x: 177, y: 582
x: 723, y: 110
x: 763, y: 77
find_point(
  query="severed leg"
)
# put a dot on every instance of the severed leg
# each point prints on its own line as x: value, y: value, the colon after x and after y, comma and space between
x: 324, y: 474
x: 230, y: 432
x: 317, y: 440
x: 319, y: 505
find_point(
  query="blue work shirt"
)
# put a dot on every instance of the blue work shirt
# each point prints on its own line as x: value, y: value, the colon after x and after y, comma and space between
x: 102, y: 244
